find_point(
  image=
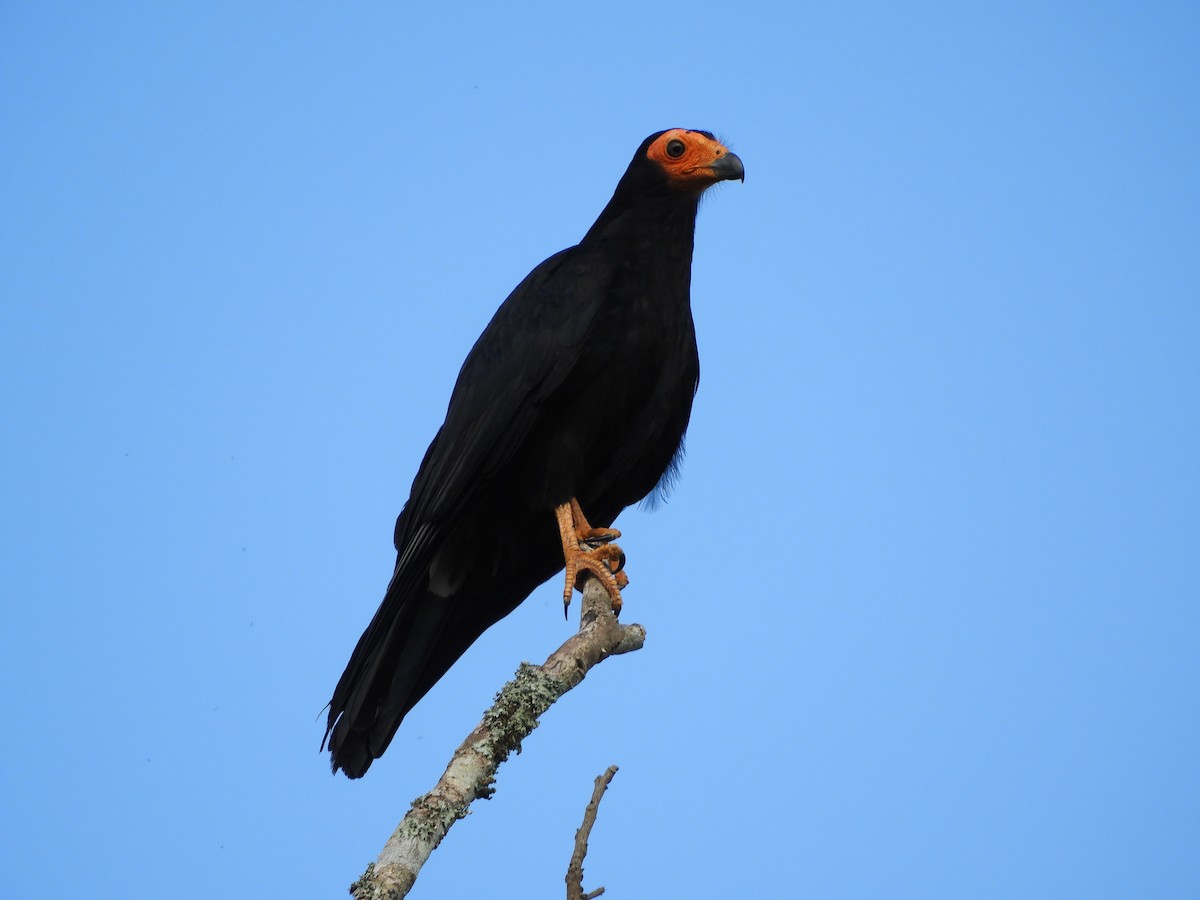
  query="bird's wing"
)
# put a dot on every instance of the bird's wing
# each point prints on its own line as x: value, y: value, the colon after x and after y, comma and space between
x: 524, y: 354
x: 526, y: 351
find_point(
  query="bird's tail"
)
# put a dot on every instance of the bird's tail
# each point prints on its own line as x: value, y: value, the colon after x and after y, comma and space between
x: 396, y: 661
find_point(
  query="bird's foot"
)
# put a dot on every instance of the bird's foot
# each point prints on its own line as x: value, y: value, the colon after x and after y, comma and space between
x: 588, y: 549
x: 606, y: 563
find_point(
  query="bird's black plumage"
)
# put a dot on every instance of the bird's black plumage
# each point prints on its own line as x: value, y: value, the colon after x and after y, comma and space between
x: 580, y: 386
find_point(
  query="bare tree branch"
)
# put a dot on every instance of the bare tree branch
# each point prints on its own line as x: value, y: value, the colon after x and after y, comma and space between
x: 575, y: 869
x: 472, y: 770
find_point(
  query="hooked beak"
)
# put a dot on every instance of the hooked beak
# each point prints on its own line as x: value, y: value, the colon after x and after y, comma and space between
x: 728, y: 167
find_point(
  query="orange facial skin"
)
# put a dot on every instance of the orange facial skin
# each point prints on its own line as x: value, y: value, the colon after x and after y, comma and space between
x: 694, y: 160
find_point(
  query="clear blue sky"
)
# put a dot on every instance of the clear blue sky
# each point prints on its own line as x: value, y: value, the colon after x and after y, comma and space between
x: 923, y: 610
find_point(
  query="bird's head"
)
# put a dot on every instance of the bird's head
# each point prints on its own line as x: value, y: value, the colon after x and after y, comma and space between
x: 689, y: 161
x: 667, y: 175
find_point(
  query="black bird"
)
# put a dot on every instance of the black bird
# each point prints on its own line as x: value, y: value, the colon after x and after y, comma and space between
x: 575, y: 397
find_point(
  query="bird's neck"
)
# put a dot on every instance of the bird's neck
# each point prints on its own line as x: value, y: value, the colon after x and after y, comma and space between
x: 649, y: 227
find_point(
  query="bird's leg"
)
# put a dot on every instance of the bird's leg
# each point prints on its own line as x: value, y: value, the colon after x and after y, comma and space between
x: 588, y: 549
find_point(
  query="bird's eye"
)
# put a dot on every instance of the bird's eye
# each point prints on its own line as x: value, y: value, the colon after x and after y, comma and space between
x: 675, y: 148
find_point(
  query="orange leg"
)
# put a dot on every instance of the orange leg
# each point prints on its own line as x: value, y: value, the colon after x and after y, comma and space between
x: 588, y: 549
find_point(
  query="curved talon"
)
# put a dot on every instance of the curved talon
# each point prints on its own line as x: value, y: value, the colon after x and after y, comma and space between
x: 594, y: 538
x: 622, y: 582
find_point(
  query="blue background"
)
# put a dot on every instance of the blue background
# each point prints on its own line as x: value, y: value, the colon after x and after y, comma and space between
x: 922, y: 610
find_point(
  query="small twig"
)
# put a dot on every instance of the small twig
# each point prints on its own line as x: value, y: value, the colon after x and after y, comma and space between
x: 575, y: 869
x: 472, y: 770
